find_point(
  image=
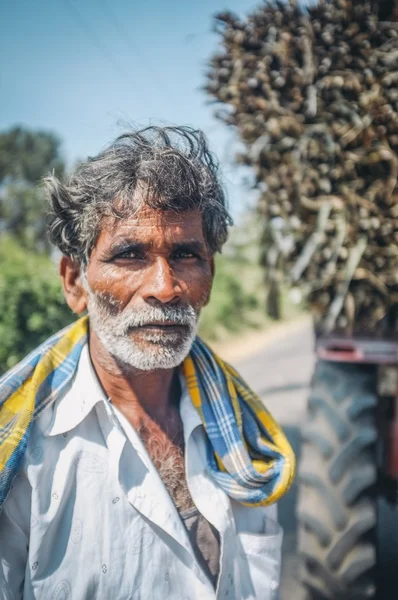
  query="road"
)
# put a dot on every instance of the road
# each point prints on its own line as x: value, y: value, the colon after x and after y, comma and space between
x: 280, y: 373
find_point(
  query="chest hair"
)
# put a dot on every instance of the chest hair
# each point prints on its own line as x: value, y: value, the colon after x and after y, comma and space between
x: 167, y: 455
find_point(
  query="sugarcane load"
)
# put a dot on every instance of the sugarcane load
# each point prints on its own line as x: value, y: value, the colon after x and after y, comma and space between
x: 313, y: 95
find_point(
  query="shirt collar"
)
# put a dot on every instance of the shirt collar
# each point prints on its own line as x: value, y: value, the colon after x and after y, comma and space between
x: 82, y: 395
x: 85, y: 392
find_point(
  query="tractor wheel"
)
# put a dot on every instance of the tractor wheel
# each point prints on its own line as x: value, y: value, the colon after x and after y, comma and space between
x: 337, y: 476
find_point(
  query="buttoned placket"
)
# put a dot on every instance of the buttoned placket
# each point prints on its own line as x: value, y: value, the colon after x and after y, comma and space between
x: 214, y: 505
x: 156, y: 506
x: 211, y: 501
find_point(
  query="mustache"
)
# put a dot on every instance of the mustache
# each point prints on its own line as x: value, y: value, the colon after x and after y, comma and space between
x: 126, y: 320
x: 183, y: 315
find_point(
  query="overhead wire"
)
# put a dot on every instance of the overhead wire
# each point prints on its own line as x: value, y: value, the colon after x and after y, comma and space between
x: 96, y: 40
x: 157, y: 80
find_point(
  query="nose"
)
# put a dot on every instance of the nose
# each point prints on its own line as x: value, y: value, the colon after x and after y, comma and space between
x: 160, y: 284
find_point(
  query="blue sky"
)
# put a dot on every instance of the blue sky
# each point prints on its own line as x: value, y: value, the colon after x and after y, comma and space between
x: 80, y: 68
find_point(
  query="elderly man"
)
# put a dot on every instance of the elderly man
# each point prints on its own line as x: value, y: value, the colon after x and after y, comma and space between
x: 135, y: 463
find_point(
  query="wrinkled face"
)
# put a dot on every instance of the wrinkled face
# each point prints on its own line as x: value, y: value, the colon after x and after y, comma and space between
x: 147, y: 279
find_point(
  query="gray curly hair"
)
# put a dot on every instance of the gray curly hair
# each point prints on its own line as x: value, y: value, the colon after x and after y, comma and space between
x: 173, y: 167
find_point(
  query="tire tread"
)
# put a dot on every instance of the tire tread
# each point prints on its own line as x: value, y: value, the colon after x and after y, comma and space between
x: 336, y: 506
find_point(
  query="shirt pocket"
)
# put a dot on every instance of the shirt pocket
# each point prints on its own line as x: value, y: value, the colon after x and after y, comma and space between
x: 260, y: 556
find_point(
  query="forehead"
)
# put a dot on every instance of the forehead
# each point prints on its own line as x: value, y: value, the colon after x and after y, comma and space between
x: 149, y: 225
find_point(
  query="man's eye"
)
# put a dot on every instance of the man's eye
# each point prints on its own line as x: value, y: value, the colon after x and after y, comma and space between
x: 128, y: 254
x: 184, y: 255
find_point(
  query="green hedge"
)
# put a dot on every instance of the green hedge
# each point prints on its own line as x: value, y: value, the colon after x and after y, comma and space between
x: 32, y: 306
x: 232, y: 305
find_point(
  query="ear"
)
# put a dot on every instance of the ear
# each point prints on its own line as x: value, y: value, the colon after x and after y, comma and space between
x: 212, y: 267
x: 74, y: 291
x: 213, y: 272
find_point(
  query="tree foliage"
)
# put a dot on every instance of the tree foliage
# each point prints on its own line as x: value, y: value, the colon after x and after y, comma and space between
x: 28, y: 155
x: 32, y: 306
x: 232, y: 304
x: 25, y: 157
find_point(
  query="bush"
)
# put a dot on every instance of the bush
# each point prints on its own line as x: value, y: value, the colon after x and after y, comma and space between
x: 231, y: 306
x: 32, y: 306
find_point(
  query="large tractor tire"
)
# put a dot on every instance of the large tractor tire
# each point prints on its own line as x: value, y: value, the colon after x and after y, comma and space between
x: 337, y: 477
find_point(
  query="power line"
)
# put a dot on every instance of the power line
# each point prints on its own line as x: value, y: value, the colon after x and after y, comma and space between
x: 96, y: 40
x: 126, y: 37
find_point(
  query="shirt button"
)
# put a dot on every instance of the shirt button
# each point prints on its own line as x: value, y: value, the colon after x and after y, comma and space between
x: 196, y: 570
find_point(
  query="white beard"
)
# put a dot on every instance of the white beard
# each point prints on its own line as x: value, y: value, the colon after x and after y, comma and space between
x: 158, y: 350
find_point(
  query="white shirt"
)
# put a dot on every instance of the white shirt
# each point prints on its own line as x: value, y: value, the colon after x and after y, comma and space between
x: 89, y: 518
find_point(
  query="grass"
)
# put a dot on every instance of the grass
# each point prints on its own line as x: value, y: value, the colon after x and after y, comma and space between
x: 238, y: 301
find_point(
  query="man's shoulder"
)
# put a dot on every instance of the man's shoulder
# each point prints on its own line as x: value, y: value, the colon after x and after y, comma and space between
x: 18, y: 375
x: 22, y: 370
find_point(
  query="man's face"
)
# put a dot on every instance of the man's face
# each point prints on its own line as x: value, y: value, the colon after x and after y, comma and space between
x: 147, y: 279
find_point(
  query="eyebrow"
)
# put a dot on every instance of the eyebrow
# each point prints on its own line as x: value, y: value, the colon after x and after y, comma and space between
x: 124, y: 245
x: 193, y: 246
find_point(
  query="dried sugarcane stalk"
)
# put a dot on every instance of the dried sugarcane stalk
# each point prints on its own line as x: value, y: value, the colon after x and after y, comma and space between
x: 313, y: 242
x: 342, y: 289
x: 314, y: 97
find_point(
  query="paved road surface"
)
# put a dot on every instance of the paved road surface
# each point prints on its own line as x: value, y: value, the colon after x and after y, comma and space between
x: 280, y: 373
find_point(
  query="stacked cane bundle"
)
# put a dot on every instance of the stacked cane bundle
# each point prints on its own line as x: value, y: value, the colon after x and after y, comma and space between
x: 314, y: 97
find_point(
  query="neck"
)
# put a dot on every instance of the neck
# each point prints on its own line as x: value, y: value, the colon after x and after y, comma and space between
x: 137, y: 394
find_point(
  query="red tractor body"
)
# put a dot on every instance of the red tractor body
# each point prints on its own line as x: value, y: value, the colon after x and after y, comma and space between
x: 384, y: 354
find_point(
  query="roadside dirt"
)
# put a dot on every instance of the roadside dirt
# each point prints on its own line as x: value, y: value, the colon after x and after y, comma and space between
x: 243, y: 346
